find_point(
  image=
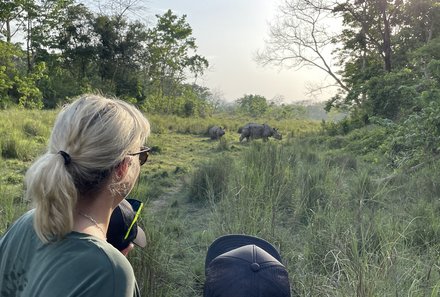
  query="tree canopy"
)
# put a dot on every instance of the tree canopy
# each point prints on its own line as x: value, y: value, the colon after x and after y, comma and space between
x: 382, y: 60
x: 64, y: 49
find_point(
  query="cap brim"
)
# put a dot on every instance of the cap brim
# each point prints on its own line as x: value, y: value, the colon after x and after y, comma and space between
x: 230, y: 242
x: 141, y: 239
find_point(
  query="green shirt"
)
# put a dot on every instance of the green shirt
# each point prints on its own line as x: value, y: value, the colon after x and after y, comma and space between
x: 79, y: 265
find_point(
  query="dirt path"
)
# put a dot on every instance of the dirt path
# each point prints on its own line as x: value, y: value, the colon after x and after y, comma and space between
x: 165, y: 199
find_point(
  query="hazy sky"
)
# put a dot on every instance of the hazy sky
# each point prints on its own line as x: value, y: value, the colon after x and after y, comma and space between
x: 228, y: 33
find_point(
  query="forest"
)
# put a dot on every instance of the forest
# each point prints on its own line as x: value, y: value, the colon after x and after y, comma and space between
x: 386, y: 53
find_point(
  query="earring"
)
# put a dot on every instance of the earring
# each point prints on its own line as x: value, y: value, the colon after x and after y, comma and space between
x: 121, y: 189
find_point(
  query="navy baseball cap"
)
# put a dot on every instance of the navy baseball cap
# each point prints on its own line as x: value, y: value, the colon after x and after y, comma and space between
x: 123, y: 227
x: 244, y: 266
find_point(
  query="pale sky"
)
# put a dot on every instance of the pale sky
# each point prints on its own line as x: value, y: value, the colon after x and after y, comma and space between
x: 228, y: 33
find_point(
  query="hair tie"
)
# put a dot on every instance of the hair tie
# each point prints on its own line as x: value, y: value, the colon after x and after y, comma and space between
x: 66, y: 157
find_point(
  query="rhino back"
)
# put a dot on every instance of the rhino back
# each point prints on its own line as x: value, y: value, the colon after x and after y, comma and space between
x: 245, y: 130
x: 256, y: 131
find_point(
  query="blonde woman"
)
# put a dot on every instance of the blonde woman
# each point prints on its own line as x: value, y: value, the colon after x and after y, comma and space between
x: 59, y: 248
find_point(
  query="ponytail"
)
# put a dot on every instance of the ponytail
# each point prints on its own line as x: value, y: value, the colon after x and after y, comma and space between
x: 51, y: 187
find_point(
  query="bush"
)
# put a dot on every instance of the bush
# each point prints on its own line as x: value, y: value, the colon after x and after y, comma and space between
x: 415, y: 138
x: 34, y: 128
x: 15, y: 147
x: 210, y: 180
x: 10, y: 148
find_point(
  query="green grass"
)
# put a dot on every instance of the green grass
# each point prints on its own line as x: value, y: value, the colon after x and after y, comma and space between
x: 345, y: 223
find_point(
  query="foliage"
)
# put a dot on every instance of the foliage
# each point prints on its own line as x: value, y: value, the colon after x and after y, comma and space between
x: 346, y: 125
x: 209, y: 181
x: 8, y: 70
x: 80, y: 51
x: 287, y: 111
x: 17, y: 86
x: 189, y: 103
x: 169, y: 51
x: 30, y: 94
x: 375, y: 32
x: 400, y: 89
x: 386, y: 51
x: 417, y: 138
x: 253, y: 105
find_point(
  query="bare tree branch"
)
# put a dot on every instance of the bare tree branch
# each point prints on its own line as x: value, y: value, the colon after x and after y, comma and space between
x: 301, y: 37
x: 131, y: 9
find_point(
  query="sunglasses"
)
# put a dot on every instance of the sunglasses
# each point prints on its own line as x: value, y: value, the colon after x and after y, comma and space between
x: 143, y: 154
x: 137, y: 206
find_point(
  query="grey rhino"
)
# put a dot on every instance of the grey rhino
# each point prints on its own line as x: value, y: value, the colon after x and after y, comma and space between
x: 216, y: 132
x: 256, y: 131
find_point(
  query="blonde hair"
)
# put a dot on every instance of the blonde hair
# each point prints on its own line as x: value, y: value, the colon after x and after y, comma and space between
x: 96, y: 133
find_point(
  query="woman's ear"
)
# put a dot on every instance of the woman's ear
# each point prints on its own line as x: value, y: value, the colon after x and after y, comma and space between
x: 122, y: 168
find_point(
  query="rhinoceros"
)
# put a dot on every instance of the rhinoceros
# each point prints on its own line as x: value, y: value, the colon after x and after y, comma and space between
x: 216, y: 132
x: 256, y: 131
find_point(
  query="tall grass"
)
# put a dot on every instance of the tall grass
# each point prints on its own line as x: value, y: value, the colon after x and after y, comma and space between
x: 342, y: 230
x: 345, y: 224
x: 23, y: 133
x: 199, y: 126
x: 12, y: 204
x: 23, y: 136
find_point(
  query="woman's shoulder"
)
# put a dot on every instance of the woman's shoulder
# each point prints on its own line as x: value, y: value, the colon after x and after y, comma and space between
x: 89, y: 249
x: 115, y: 261
x: 25, y: 219
x: 21, y: 227
x: 95, y: 248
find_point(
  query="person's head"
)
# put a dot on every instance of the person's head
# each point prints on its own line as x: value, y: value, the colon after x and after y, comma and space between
x: 243, y: 265
x: 90, y: 150
x: 123, y: 230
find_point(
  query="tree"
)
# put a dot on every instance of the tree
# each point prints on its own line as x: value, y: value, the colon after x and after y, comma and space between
x: 371, y: 22
x: 76, y: 42
x: 254, y: 105
x: 377, y: 38
x: 120, y: 54
x: 17, y: 86
x: 69, y: 50
x: 8, y: 70
x: 172, y: 54
x: 11, y: 13
x: 301, y: 37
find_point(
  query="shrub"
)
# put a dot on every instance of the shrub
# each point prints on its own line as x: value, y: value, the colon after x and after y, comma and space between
x: 15, y: 147
x: 34, y: 128
x: 210, y: 180
x: 10, y: 148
